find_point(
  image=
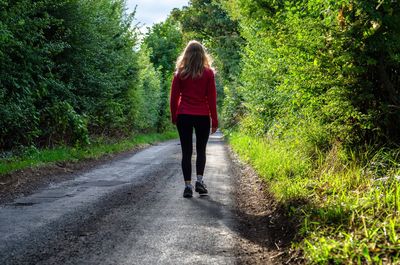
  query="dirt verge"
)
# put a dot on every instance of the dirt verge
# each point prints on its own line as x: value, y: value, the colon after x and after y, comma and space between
x: 265, y: 223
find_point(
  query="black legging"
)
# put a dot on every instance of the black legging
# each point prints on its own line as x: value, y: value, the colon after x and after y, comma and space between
x: 185, y: 124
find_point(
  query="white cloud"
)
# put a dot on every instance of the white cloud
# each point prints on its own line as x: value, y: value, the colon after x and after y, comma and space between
x: 149, y: 12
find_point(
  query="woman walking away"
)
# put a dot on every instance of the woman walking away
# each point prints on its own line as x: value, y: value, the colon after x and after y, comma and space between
x: 193, y: 100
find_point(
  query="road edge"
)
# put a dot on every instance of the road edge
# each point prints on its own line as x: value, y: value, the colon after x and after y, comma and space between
x: 268, y: 228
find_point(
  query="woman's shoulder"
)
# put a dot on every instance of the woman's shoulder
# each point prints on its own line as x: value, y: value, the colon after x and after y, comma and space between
x: 177, y: 75
x: 209, y: 71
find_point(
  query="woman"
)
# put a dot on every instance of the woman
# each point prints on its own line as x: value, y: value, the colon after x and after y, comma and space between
x: 193, y: 100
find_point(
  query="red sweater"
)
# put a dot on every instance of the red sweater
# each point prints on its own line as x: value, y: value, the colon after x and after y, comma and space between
x: 194, y: 96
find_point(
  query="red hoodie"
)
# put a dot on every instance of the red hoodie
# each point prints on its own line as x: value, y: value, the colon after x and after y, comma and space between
x: 194, y: 96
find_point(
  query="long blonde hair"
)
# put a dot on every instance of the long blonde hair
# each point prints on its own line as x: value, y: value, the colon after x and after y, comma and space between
x: 193, y: 60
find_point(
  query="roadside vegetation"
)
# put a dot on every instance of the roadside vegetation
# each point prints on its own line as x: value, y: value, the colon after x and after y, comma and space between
x: 317, y: 115
x: 347, y: 207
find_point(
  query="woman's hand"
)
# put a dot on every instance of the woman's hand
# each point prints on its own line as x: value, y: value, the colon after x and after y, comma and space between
x: 213, y: 130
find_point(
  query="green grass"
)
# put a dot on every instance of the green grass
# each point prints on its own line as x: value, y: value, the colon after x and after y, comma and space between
x: 36, y: 157
x: 347, y: 216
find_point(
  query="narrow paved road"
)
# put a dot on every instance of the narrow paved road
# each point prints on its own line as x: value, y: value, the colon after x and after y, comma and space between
x: 129, y: 211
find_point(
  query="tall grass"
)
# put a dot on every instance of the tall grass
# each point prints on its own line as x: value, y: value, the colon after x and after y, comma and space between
x: 33, y: 157
x: 350, y: 210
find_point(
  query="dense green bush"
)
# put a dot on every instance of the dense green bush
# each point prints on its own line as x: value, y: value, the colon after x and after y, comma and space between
x: 326, y: 64
x: 70, y: 70
x: 146, y: 115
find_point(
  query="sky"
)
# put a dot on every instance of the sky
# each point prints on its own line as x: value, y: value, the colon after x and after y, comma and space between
x: 149, y: 12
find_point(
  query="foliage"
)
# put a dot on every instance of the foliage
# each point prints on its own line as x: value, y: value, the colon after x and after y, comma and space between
x: 70, y: 70
x: 329, y: 63
x: 146, y: 113
x: 164, y: 40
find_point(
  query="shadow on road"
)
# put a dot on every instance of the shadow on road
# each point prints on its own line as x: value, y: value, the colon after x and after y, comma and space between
x: 271, y: 230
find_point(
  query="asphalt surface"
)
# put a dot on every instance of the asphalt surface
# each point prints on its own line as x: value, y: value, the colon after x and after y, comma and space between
x: 127, y: 211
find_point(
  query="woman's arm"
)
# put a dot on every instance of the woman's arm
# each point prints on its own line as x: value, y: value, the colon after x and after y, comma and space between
x: 174, y: 98
x: 212, y: 102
